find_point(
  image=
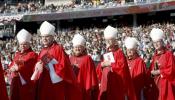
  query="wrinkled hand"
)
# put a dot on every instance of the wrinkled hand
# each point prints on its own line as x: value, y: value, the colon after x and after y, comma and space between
x: 105, y: 63
x: 39, y: 66
x: 155, y: 72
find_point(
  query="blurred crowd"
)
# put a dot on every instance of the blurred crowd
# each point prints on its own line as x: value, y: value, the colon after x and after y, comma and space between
x: 37, y: 7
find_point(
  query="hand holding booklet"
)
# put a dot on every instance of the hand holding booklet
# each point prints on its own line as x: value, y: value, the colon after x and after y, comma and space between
x: 109, y: 57
x: 49, y: 63
x: 46, y: 58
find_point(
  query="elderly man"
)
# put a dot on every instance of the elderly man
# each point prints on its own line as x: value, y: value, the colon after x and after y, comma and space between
x: 56, y: 77
x: 113, y: 71
x: 137, y: 67
x: 162, y: 67
x: 84, y: 68
x: 21, y: 68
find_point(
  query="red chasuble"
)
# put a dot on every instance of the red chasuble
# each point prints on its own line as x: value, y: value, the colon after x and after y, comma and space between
x: 116, y: 83
x: 165, y: 82
x: 137, y: 69
x: 63, y: 90
x: 84, y: 68
x: 25, y: 62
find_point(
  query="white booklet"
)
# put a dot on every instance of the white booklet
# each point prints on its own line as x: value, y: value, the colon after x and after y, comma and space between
x: 54, y: 77
x: 109, y: 57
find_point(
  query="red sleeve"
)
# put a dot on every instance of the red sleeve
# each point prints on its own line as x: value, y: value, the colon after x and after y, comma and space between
x: 121, y: 68
x: 88, y: 78
x: 140, y: 75
x: 63, y: 68
x: 168, y: 71
x: 88, y: 74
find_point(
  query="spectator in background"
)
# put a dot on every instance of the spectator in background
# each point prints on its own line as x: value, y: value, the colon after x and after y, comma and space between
x: 96, y: 56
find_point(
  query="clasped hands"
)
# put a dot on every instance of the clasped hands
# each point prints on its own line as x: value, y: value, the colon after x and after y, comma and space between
x: 155, y: 72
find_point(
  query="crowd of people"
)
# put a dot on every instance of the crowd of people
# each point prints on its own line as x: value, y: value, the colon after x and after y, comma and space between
x: 37, y: 7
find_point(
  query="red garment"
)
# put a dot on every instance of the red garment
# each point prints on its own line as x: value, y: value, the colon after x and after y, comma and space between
x: 64, y: 90
x: 86, y: 76
x: 26, y: 62
x: 3, y: 90
x: 165, y: 82
x: 116, y: 81
x: 137, y: 69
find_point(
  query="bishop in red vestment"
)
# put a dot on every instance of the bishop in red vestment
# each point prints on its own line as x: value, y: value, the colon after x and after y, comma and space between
x: 137, y: 67
x: 84, y: 68
x: 162, y: 68
x: 113, y: 71
x: 56, y: 79
x: 21, y: 68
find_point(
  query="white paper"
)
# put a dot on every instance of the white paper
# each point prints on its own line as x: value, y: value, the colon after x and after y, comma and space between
x: 54, y: 77
x: 109, y: 57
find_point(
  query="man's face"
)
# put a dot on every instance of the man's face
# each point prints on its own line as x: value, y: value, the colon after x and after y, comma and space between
x: 158, y: 44
x: 78, y: 50
x: 110, y: 42
x: 24, y: 46
x: 47, y: 40
x: 131, y: 52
